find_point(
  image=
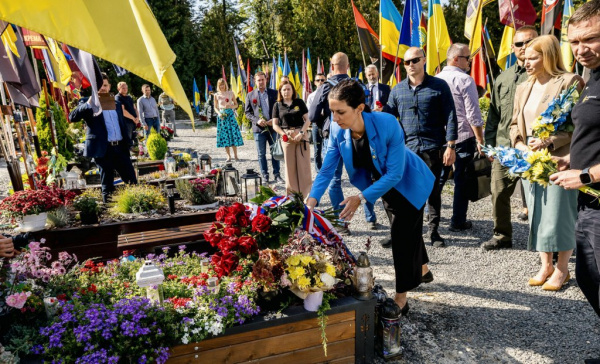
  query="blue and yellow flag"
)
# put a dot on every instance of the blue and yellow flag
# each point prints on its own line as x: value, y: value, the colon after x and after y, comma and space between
x: 287, y: 70
x: 438, y: 39
x: 273, y: 80
x: 565, y: 46
x: 410, y: 34
x: 279, y: 72
x: 233, y: 86
x: 240, y: 65
x: 308, y: 65
x: 196, y: 97
x: 297, y: 83
x: 390, y: 23
x: 506, y: 57
x: 360, y: 75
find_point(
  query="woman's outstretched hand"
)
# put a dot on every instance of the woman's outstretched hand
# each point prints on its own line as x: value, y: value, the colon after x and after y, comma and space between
x: 350, y: 204
x: 311, y: 203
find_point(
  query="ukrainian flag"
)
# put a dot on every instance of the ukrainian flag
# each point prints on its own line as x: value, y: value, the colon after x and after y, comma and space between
x: 297, y: 83
x: 196, y: 97
x: 438, y: 39
x: 506, y: 57
x: 565, y: 46
x: 279, y: 72
x: 232, y: 82
x: 390, y: 22
x: 287, y: 70
x: 308, y: 66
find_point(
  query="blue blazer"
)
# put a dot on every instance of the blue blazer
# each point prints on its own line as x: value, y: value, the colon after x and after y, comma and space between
x: 96, y: 136
x: 400, y: 168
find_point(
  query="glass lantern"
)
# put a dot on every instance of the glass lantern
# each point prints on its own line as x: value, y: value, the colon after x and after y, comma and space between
x: 363, y: 278
x: 251, y: 182
x: 193, y: 164
x: 388, y: 337
x: 231, y: 177
x: 151, y: 277
x: 205, y: 163
x: 170, y: 164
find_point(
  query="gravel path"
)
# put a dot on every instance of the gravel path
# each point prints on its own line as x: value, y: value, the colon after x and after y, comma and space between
x: 479, y: 308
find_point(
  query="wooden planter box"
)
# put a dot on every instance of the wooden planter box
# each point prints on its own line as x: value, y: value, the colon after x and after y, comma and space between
x: 295, y: 338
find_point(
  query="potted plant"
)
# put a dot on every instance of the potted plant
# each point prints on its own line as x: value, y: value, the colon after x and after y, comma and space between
x: 88, y: 206
x: 157, y: 146
x: 198, y: 192
x: 31, y: 206
x: 136, y: 199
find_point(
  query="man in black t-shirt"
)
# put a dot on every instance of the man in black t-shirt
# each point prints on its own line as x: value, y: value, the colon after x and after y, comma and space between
x: 130, y: 115
x: 582, y: 167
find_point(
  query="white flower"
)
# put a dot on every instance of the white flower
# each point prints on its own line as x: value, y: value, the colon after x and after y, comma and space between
x: 327, y: 279
x: 185, y: 339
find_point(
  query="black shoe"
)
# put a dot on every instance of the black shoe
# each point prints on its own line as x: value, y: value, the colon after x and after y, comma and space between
x: 373, y: 225
x: 495, y: 244
x: 343, y: 230
x: 427, y: 277
x: 436, y: 240
x: 592, y: 361
x: 387, y: 243
x: 404, y: 310
x: 278, y: 179
x: 522, y: 216
x: 462, y: 227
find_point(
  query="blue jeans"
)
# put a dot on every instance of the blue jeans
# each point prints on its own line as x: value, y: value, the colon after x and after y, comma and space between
x: 336, y: 195
x: 318, y: 146
x: 261, y: 140
x: 152, y: 123
x: 465, y: 151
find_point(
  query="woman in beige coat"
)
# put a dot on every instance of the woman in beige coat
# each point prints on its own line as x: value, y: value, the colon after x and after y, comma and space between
x: 552, y: 210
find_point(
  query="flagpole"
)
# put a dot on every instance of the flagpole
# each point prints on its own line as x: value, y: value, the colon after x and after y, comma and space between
x: 397, y: 51
x: 380, y: 47
x: 512, y: 14
x: 489, y: 66
x: 360, y: 42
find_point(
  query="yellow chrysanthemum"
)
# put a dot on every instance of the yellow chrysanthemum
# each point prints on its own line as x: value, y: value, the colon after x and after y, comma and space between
x: 306, y: 260
x: 293, y: 260
x: 330, y: 269
x: 303, y: 282
x: 318, y: 281
x: 296, y: 273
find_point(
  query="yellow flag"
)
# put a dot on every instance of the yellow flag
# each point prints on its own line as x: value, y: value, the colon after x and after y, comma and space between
x: 9, y: 38
x: 298, y: 85
x: 505, y: 51
x: 59, y: 57
x: 136, y: 44
x: 438, y: 39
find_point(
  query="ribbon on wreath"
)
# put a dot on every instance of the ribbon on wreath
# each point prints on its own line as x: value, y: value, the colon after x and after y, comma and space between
x: 323, y: 230
x: 276, y: 201
x: 253, y: 210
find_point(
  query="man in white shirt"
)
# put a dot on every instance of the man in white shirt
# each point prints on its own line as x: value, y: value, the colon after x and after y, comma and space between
x: 317, y: 135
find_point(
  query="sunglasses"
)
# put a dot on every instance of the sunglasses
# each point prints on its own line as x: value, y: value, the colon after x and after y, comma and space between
x: 320, y: 80
x: 413, y: 61
x: 520, y: 44
x: 467, y: 58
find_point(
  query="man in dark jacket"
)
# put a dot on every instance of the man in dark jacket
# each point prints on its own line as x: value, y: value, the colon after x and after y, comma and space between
x: 107, y: 140
x: 258, y: 108
x: 378, y: 92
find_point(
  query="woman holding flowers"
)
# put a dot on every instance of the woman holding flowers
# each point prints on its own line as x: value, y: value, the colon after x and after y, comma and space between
x: 228, y: 131
x: 290, y: 120
x: 552, y: 210
x: 372, y: 148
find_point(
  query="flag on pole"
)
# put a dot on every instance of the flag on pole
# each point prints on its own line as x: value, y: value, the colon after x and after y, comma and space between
x: 390, y: 22
x: 565, y: 46
x: 287, y: 70
x: 207, y: 88
x: 297, y: 83
x: 438, y: 39
x: 506, y: 57
x: 478, y: 67
x: 233, y: 84
x: 551, y: 11
x: 309, y: 71
x: 196, y: 97
x: 410, y: 34
x: 241, y: 89
x: 360, y: 75
x: 369, y: 40
x: 240, y: 65
x: 307, y: 86
x: 273, y: 81
x: 279, y: 72
x: 523, y: 11
x: 63, y: 66
x: 120, y: 71
x: 473, y: 24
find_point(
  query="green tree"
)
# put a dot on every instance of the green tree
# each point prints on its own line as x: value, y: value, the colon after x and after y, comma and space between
x: 63, y: 141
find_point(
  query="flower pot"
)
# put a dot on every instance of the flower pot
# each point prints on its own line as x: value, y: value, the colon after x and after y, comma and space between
x: 313, y: 301
x: 88, y: 218
x: 33, y: 222
x: 204, y: 207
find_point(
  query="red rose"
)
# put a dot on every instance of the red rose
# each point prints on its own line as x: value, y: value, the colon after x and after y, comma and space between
x: 378, y: 104
x: 243, y: 220
x: 217, y: 225
x: 62, y: 297
x: 223, y: 211
x: 226, y: 100
x: 232, y: 232
x: 230, y: 220
x: 285, y: 138
x: 224, y: 262
x: 247, y: 245
x: 228, y: 244
x: 255, y: 101
x: 213, y: 238
x: 261, y: 223
x: 237, y: 208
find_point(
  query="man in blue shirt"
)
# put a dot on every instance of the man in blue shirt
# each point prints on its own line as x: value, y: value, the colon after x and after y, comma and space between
x: 425, y: 108
x: 106, y: 140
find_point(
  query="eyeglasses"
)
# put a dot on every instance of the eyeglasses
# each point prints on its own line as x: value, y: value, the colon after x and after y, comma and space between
x: 413, y: 61
x: 320, y: 80
x: 467, y: 58
x: 521, y: 44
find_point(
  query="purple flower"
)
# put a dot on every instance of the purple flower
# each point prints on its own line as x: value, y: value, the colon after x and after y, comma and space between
x: 181, y: 248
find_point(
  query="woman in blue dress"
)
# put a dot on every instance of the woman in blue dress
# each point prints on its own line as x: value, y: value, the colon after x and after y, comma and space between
x: 228, y: 131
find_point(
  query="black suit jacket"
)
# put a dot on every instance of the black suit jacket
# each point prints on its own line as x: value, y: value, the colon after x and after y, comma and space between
x: 96, y: 136
x: 251, y: 108
x: 384, y: 93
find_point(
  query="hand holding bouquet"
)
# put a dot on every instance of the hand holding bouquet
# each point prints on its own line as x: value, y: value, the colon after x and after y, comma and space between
x: 555, y: 118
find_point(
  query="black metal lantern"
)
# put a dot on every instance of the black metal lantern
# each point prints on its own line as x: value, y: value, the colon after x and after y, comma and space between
x: 251, y: 182
x: 193, y: 164
x: 231, y: 178
x: 205, y: 164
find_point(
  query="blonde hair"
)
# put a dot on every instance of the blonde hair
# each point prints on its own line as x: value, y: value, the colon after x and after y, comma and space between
x: 548, y: 47
x: 222, y: 82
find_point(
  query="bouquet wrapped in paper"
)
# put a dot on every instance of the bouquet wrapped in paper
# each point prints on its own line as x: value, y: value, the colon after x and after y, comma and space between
x: 305, y: 274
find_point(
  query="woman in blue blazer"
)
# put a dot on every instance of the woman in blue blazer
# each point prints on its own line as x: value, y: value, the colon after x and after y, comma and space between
x: 371, y: 146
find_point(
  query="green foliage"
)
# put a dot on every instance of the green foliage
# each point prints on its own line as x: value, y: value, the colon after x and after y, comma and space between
x: 138, y: 199
x: 245, y: 122
x: 484, y: 106
x: 322, y: 318
x: 87, y: 204
x: 59, y: 217
x: 196, y: 192
x: 157, y: 146
x: 63, y: 140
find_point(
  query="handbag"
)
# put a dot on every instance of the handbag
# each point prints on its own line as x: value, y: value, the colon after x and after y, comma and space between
x: 479, y: 178
x: 277, y: 149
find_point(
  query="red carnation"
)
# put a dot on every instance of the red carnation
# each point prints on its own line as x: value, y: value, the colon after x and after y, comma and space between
x: 255, y: 101
x: 223, y: 211
x: 247, y: 245
x: 230, y: 220
x: 261, y: 223
x: 224, y: 262
x: 378, y: 104
x: 285, y: 138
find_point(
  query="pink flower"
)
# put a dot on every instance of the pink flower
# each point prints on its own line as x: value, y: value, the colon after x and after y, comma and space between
x: 17, y: 300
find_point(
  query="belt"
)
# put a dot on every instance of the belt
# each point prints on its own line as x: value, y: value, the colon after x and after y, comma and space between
x: 114, y: 144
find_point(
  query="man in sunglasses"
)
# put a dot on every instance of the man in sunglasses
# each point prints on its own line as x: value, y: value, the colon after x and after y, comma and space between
x: 317, y: 133
x: 425, y: 108
x: 497, y: 130
x: 470, y: 129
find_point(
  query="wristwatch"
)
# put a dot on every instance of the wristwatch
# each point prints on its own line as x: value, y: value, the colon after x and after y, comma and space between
x: 363, y: 200
x: 452, y: 146
x: 585, y: 177
x: 301, y: 132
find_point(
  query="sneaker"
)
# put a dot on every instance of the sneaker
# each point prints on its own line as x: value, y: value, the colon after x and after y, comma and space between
x: 373, y: 225
x: 436, y: 240
x: 278, y: 179
x: 522, y: 216
x: 495, y: 244
x: 387, y: 243
x: 462, y: 227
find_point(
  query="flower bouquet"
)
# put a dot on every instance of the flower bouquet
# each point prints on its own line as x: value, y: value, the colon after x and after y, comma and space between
x: 167, y: 133
x: 556, y: 116
x: 200, y: 191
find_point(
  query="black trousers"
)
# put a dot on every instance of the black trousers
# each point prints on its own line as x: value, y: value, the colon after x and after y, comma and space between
x: 408, y: 247
x: 116, y: 158
x: 587, y: 268
x: 434, y: 160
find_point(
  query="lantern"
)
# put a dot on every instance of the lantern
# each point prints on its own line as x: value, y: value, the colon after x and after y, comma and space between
x: 213, y: 285
x: 204, y: 266
x: 231, y: 177
x: 388, y: 338
x: 251, y: 182
x: 170, y: 191
x: 69, y: 180
x: 193, y: 164
x: 205, y: 163
x: 170, y: 164
x: 363, y: 278
x: 151, y: 277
